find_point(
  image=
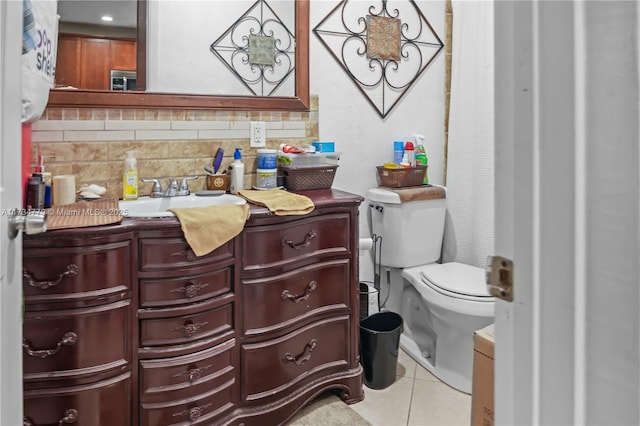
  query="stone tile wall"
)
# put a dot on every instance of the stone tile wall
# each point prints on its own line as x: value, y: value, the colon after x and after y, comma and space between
x: 92, y: 143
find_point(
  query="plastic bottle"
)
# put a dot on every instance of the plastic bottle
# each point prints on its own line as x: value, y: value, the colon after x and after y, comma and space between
x: 398, y: 151
x: 237, y: 172
x: 421, y: 156
x: 409, y: 150
x: 130, y: 177
x: 35, y: 191
x: 46, y: 176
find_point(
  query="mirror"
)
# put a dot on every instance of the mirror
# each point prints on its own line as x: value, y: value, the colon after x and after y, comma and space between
x: 143, y: 99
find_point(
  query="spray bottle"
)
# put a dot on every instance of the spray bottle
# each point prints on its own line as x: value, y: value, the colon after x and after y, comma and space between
x: 237, y: 172
x: 421, y: 156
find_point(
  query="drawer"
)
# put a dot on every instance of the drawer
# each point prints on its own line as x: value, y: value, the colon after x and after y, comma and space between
x: 202, y: 409
x: 186, y: 328
x: 289, y: 298
x: 312, y: 238
x: 275, y: 367
x: 173, y: 254
x: 75, y: 342
x: 186, y: 376
x: 105, y: 403
x: 76, y: 273
x: 177, y: 291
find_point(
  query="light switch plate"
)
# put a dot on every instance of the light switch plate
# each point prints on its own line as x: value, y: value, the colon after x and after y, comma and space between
x: 258, y: 135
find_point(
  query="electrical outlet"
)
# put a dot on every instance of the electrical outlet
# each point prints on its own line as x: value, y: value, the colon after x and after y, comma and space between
x: 258, y: 134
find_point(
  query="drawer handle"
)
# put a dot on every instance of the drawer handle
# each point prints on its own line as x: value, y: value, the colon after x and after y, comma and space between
x: 194, y: 373
x: 193, y: 413
x: 72, y: 271
x: 70, y: 416
x: 190, y: 329
x: 191, y: 290
x: 304, y: 356
x: 69, y: 339
x: 286, y: 295
x: 307, y: 240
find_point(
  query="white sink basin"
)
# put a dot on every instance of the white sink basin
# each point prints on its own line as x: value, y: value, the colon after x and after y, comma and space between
x: 157, y: 207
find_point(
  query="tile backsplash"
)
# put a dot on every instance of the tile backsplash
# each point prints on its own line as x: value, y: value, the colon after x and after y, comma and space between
x: 92, y: 143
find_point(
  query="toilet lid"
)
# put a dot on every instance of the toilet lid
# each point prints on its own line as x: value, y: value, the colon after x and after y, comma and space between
x: 456, y: 279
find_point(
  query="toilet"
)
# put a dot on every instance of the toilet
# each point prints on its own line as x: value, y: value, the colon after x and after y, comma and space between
x: 442, y: 304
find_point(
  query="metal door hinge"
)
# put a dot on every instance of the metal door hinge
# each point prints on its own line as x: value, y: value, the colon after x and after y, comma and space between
x: 500, y: 277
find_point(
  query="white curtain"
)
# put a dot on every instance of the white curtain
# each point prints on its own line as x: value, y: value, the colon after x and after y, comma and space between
x: 469, y: 234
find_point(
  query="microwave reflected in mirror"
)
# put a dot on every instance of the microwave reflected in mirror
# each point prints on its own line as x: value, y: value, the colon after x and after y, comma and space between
x: 123, y: 80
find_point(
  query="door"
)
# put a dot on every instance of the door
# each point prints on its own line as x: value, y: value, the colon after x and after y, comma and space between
x: 10, y: 198
x: 568, y: 212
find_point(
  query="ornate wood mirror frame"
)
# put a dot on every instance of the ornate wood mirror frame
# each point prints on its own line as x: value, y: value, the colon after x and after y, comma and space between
x: 141, y: 99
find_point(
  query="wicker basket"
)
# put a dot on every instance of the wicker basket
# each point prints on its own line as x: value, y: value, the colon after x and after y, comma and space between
x: 403, y: 177
x: 303, y: 178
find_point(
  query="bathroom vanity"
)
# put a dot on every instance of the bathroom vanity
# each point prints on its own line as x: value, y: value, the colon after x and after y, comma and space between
x: 124, y: 325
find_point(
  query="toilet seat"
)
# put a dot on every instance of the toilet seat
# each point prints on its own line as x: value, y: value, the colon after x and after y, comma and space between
x: 457, y: 280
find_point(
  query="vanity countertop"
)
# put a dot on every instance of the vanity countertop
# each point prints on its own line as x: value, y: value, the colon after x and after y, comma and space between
x: 322, y: 198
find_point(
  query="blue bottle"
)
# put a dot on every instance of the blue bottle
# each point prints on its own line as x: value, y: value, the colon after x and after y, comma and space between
x: 398, y: 151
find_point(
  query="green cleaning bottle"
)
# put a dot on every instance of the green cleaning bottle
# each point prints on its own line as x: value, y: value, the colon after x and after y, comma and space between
x: 421, y: 157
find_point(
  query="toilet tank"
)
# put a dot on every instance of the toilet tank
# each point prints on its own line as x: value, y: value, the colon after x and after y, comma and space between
x: 411, y: 231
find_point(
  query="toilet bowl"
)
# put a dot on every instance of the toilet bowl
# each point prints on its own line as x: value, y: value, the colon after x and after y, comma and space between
x: 442, y: 304
x: 452, y: 302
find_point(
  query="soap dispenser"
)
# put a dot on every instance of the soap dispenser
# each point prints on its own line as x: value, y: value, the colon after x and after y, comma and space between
x: 130, y: 177
x: 237, y: 172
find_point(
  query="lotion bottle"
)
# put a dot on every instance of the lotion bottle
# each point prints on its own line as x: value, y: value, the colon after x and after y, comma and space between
x: 130, y: 177
x: 409, y: 152
x: 237, y: 172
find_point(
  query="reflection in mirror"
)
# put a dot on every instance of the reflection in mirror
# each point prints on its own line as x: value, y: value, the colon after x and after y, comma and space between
x: 97, y: 45
x: 296, y: 99
x: 218, y: 51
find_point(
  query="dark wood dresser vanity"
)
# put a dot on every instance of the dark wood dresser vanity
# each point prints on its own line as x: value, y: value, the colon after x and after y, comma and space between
x: 124, y: 325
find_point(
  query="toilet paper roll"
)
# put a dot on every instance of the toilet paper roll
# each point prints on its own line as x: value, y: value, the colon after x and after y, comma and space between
x: 366, y: 244
x: 64, y: 189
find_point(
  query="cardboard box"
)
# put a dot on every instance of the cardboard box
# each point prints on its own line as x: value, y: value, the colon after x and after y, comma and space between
x: 482, y: 386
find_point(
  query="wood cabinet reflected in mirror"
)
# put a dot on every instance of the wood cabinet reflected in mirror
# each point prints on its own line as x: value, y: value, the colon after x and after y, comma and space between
x: 140, y: 98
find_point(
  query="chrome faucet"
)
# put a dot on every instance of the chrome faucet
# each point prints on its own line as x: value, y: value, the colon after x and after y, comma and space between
x: 173, y: 190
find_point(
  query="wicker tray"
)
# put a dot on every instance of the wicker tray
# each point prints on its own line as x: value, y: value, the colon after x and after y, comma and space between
x: 400, y: 178
x: 303, y: 178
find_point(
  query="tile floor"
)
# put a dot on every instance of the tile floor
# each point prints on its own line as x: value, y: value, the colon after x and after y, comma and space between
x: 416, y: 398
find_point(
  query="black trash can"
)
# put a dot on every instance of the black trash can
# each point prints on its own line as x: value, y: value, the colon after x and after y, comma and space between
x: 379, y: 342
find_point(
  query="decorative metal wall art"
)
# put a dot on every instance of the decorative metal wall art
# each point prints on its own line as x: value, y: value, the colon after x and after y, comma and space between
x: 384, y: 47
x: 258, y: 48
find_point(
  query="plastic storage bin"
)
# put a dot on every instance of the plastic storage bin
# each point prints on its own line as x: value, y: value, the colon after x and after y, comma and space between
x: 308, y: 160
x: 379, y: 343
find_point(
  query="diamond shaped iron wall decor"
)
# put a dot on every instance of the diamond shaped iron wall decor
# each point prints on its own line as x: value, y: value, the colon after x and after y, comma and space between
x: 259, y: 49
x: 383, y: 46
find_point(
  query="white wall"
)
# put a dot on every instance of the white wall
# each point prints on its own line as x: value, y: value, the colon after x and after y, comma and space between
x: 365, y: 139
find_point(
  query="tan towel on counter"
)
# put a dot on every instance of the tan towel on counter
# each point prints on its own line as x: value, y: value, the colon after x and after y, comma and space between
x: 418, y: 193
x: 279, y: 202
x: 207, y: 228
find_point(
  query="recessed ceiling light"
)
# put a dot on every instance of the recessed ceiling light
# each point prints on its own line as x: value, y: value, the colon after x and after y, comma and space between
x: 107, y: 18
